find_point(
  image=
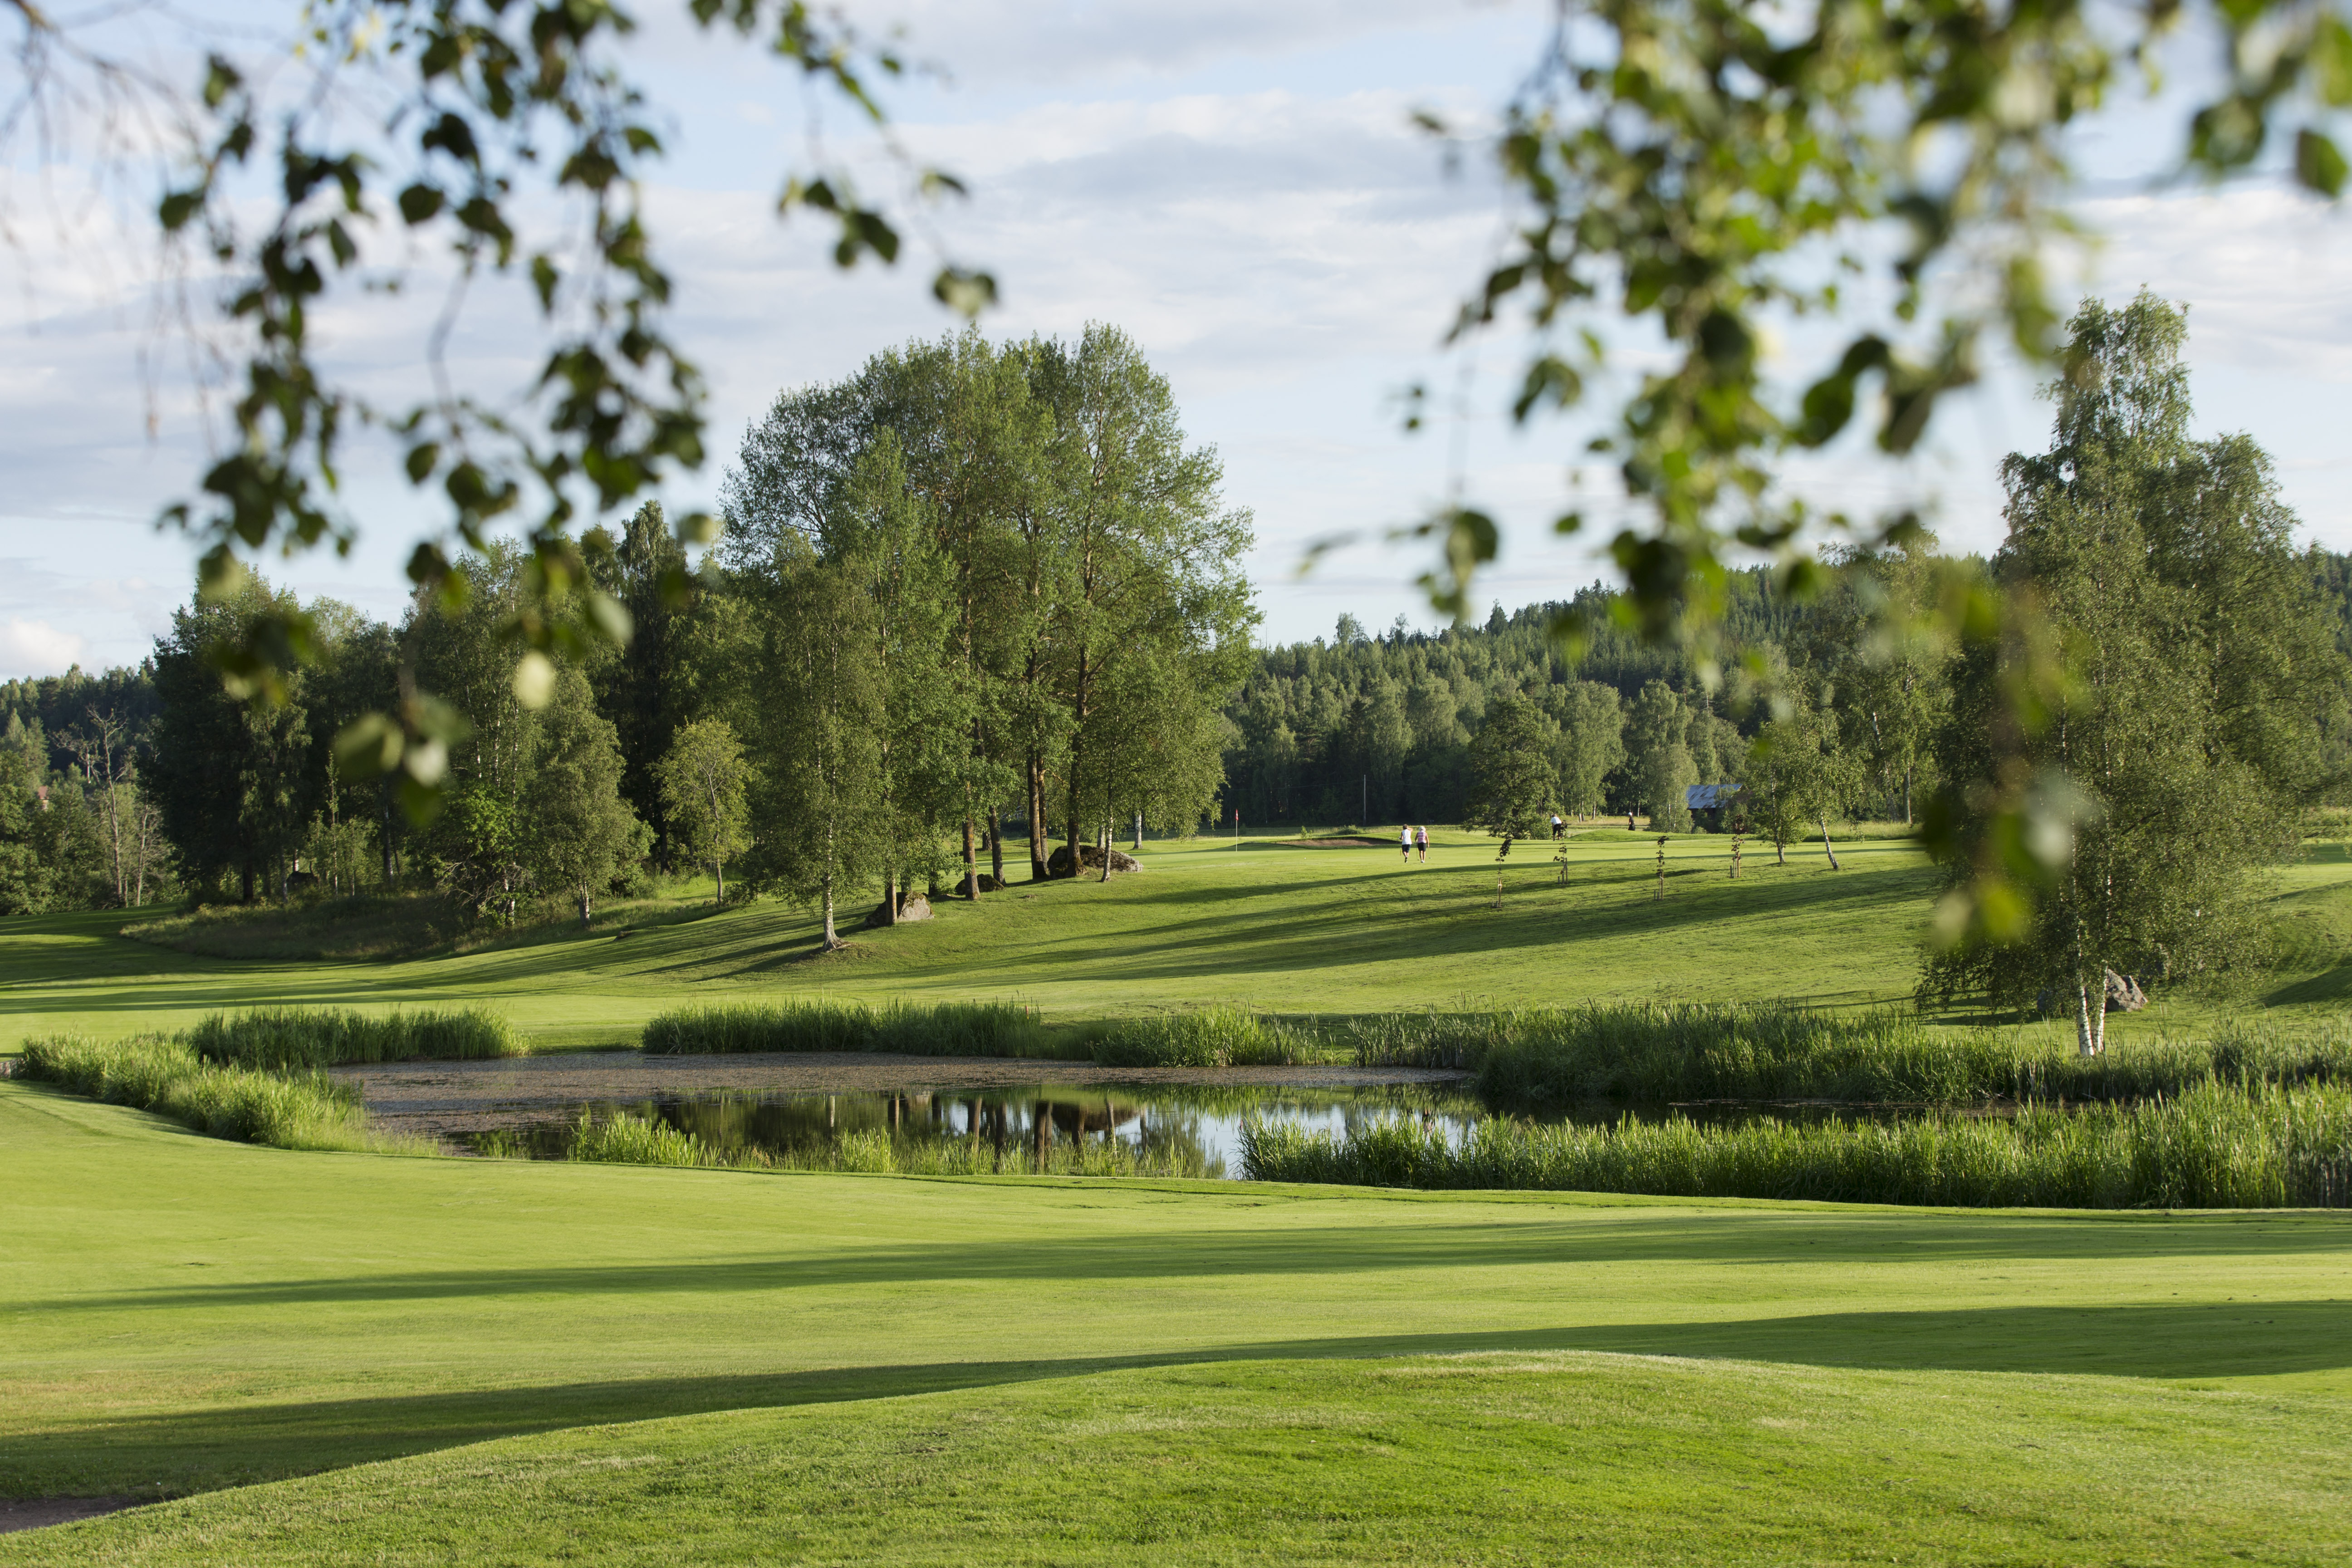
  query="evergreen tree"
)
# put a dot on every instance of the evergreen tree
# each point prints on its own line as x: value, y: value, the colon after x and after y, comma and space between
x: 23, y: 878
x: 643, y: 688
x: 1512, y: 772
x: 234, y: 781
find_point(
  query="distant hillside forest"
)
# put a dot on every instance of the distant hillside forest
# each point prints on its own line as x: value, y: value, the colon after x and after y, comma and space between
x: 1354, y: 729
x: 1375, y: 729
x: 974, y: 587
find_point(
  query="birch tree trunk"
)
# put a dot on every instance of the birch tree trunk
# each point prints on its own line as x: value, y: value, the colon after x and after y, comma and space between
x: 1827, y: 849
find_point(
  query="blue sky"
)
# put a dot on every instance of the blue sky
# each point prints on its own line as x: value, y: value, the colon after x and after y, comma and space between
x: 1237, y: 186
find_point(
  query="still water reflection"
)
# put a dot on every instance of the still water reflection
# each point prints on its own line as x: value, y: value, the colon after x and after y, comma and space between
x: 1177, y: 1129
x: 1141, y: 1129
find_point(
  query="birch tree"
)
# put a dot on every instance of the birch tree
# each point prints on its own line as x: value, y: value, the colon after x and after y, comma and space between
x: 2185, y: 741
x: 819, y: 823
x: 703, y: 779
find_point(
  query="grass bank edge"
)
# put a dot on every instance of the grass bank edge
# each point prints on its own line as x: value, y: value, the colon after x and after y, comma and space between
x: 165, y: 1075
x: 260, y: 1076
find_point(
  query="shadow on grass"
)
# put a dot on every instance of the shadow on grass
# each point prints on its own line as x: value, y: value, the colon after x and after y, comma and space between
x: 201, y: 1449
x: 1381, y: 916
x: 1741, y: 1237
x: 2332, y: 984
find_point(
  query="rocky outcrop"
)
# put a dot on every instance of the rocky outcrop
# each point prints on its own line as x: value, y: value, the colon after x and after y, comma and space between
x: 1091, y: 857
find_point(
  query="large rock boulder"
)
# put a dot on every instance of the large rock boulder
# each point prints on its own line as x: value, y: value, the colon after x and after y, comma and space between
x: 913, y: 907
x: 2124, y: 995
x: 1058, y: 863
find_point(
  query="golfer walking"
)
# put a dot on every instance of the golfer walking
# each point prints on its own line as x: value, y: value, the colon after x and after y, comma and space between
x: 1404, y: 842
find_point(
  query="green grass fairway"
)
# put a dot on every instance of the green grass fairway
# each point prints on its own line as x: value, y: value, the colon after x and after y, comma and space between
x: 1495, y: 1458
x: 621, y: 1365
x: 1288, y: 930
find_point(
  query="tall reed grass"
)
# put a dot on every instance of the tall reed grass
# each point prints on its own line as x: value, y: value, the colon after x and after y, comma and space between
x: 635, y: 1140
x: 323, y: 1036
x: 2212, y: 1147
x: 1203, y: 1037
x: 638, y: 1141
x: 1210, y: 1037
x: 1541, y: 1057
x: 819, y: 1024
x: 287, y: 1110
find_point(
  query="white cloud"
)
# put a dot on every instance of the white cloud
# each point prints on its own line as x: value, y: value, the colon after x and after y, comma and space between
x: 37, y: 648
x: 1282, y: 243
x: 1062, y: 42
x: 2262, y: 268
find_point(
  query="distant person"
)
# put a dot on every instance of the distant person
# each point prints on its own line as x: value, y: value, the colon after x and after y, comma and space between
x: 1629, y: 822
x: 1421, y: 842
x: 1404, y: 842
x: 1557, y: 824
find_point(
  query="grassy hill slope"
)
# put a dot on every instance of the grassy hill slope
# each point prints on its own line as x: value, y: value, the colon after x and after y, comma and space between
x: 728, y: 1365
x: 1283, y: 930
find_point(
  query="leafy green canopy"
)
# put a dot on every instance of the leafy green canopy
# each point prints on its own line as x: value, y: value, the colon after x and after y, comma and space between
x: 2204, y: 680
x: 703, y: 780
x: 1059, y: 610
x: 1511, y: 771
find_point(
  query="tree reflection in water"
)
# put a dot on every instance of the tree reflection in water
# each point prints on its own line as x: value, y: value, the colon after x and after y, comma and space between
x: 1138, y: 1129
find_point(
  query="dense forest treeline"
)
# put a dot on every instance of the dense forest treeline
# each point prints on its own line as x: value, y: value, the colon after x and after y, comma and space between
x: 976, y: 588
x: 1308, y: 731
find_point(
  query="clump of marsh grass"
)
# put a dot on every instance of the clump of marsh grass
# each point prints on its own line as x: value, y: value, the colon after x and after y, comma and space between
x: 286, y: 1110
x: 821, y: 1024
x: 636, y: 1140
x: 324, y: 1036
x: 2212, y: 1147
x: 1208, y: 1038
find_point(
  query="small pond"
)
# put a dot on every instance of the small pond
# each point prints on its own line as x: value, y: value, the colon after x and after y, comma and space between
x: 1159, y: 1129
x: 929, y: 1115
